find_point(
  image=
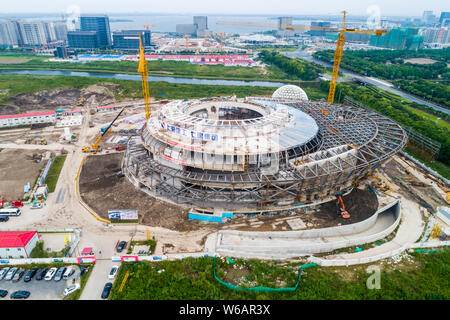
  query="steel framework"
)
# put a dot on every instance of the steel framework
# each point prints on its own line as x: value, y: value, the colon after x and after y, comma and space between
x: 350, y: 142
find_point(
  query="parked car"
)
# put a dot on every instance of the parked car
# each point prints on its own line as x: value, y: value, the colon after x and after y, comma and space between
x: 11, y: 273
x: 69, y: 271
x: 37, y: 205
x: 3, y: 293
x: 50, y: 273
x: 83, y: 271
x: 71, y: 289
x: 59, y: 274
x: 18, y: 275
x: 21, y: 294
x: 3, y: 272
x: 113, y: 272
x: 30, y: 274
x: 121, y: 245
x: 106, y: 290
x: 41, y: 274
x: 4, y: 218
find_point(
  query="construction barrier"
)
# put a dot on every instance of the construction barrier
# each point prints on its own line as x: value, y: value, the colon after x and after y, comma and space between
x: 263, y: 289
x: 129, y: 258
x: 90, y: 259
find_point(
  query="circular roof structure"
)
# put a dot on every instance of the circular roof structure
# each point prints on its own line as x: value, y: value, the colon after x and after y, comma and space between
x: 290, y: 91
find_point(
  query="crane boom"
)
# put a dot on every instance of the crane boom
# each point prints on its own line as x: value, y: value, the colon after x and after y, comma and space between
x: 95, y: 146
x: 337, y: 61
x: 344, y: 213
x: 339, y: 45
x: 143, y: 70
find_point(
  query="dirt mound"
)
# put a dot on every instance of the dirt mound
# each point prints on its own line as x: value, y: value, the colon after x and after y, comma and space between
x: 360, y: 204
x: 8, y: 109
x: 60, y: 97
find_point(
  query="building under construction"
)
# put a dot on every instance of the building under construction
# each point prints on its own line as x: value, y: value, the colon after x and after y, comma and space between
x: 257, y: 153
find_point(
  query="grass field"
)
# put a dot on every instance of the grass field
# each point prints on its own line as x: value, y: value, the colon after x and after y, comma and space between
x: 160, y: 68
x: 427, y: 277
x: 53, y: 173
x: 13, y: 84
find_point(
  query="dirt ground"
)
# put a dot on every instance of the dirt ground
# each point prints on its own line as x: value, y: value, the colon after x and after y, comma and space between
x: 103, y: 188
x: 58, y: 98
x: 411, y: 187
x: 4, y: 60
x: 16, y: 170
x: 420, y: 61
x: 360, y: 204
x: 103, y: 191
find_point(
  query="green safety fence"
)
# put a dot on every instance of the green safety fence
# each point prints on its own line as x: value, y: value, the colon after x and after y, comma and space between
x: 263, y: 289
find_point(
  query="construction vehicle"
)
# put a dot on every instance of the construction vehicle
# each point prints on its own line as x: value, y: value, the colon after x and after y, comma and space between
x: 143, y: 70
x: 81, y: 101
x: 339, y: 44
x: 95, y: 147
x: 344, y: 214
x: 36, y: 141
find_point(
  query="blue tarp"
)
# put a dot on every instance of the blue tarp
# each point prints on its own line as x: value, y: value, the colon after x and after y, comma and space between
x: 194, y: 216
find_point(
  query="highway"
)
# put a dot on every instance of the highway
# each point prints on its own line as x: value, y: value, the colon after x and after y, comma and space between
x: 382, y: 84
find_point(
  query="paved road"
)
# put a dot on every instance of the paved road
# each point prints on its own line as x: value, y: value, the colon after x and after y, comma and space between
x: 382, y: 84
x: 97, y: 280
x: 277, y: 245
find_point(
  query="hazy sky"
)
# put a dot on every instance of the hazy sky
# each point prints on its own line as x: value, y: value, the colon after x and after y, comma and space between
x: 290, y: 7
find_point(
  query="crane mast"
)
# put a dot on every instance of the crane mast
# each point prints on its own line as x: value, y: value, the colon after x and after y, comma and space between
x: 337, y: 60
x: 143, y: 70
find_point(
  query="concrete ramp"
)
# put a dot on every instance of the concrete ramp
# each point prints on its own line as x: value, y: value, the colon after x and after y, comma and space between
x: 289, y: 244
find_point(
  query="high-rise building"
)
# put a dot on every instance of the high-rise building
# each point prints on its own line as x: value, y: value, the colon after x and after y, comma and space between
x: 284, y: 21
x: 8, y: 34
x: 198, y: 28
x: 61, y: 52
x: 83, y: 39
x: 201, y: 22
x: 428, y: 17
x: 321, y: 24
x: 186, y: 29
x: 99, y: 24
x: 49, y: 29
x: 60, y: 31
x: 444, y: 19
x: 32, y: 33
x: 399, y: 38
x: 129, y: 39
x: 436, y: 35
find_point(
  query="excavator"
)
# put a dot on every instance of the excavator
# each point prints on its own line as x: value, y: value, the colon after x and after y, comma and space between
x: 344, y: 213
x: 95, y: 147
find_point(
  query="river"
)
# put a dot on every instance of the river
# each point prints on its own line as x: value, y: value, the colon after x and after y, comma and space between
x: 136, y: 77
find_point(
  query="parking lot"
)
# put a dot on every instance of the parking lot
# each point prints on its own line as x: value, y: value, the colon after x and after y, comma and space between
x: 40, y: 289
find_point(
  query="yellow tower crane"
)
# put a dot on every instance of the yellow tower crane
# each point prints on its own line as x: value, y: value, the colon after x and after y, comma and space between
x: 339, y: 44
x: 214, y: 34
x: 143, y: 70
x: 186, y: 37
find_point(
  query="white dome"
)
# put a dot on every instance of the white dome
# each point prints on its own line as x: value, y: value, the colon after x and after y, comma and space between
x: 290, y: 91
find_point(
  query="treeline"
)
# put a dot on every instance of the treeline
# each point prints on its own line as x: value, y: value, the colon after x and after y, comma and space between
x: 375, y: 63
x: 426, y: 89
x: 295, y: 68
x: 396, y: 109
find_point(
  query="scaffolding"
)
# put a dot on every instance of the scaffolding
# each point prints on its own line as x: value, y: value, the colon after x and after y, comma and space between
x: 294, y: 172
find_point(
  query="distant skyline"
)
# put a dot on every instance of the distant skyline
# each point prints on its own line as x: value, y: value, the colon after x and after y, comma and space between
x: 279, y: 7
